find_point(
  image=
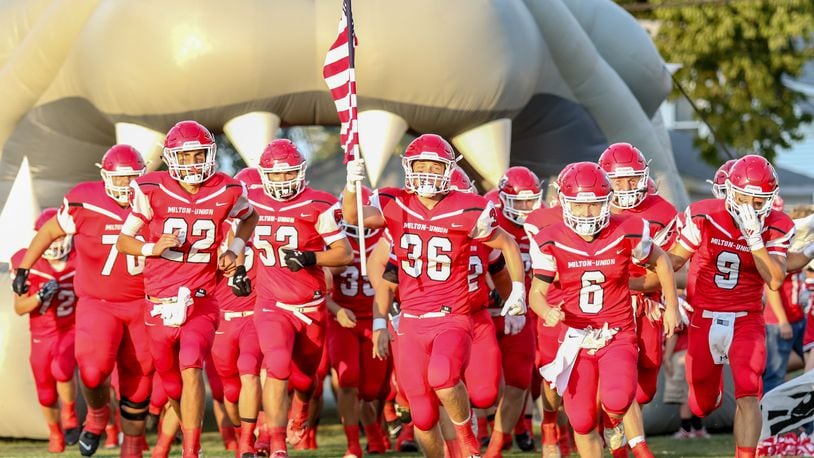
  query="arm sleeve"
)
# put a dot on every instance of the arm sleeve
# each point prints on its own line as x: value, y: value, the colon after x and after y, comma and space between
x: 242, y: 209
x: 327, y: 226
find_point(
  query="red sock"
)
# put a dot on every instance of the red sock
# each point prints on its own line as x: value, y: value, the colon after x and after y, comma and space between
x: 131, y: 446
x: 277, y: 435
x: 483, y: 427
x: 68, y: 415
x: 352, y: 434
x: 375, y: 438
x: 520, y: 426
x: 164, y: 440
x: 246, y: 440
x: 549, y: 428
x: 451, y: 448
x: 466, y: 438
x: 299, y: 408
x: 745, y: 452
x: 55, y: 429
x: 227, y: 433
x: 641, y: 450
x: 192, y: 440
x: 96, y: 419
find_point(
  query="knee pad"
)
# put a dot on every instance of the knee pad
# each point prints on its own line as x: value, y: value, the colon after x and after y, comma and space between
x: 440, y: 372
x: 92, y: 376
x: 617, y: 401
x: 134, y: 411
x: 424, y: 411
x: 582, y: 422
x: 482, y: 395
x: 231, y: 389
x: 47, y: 396
x: 647, y: 385
x: 248, y: 363
x: 277, y: 362
x: 348, y: 378
x: 135, y: 387
x: 370, y: 390
x: 172, y: 385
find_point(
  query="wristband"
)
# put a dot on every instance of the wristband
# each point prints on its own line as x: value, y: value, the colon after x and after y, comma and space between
x: 237, y: 246
x: 147, y: 249
x: 379, y: 324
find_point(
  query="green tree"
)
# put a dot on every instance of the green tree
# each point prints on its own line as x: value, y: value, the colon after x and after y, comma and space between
x: 735, y: 56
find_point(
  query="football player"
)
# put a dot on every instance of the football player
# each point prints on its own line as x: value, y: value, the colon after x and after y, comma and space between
x: 50, y: 303
x: 432, y: 229
x: 181, y: 211
x: 110, y: 329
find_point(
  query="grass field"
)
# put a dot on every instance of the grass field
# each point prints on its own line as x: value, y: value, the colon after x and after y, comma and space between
x: 332, y: 444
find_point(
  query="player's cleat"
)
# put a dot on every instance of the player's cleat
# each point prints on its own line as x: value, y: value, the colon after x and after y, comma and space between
x: 394, y: 428
x: 683, y: 434
x: 280, y: 454
x: 72, y: 435
x: 247, y: 455
x: 525, y: 441
x: 88, y: 443
x: 552, y: 451
x: 296, y: 431
x: 700, y: 433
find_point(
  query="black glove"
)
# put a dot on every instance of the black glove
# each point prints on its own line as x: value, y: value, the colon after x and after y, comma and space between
x: 46, y: 293
x: 296, y: 259
x: 20, y: 283
x: 241, y: 284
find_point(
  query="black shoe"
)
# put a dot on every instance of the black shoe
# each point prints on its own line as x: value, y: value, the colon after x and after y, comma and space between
x: 248, y: 455
x: 524, y: 441
x: 72, y: 435
x: 408, y: 446
x: 394, y: 429
x: 88, y: 443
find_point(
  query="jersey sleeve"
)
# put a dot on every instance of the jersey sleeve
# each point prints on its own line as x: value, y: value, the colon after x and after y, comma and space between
x: 778, y: 237
x: 140, y: 203
x: 328, y: 227
x: 485, y: 224
x: 640, y: 241
x: 689, y: 236
x: 242, y: 208
x: 542, y: 259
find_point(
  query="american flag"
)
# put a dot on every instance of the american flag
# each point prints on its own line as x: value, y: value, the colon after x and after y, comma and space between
x: 338, y: 71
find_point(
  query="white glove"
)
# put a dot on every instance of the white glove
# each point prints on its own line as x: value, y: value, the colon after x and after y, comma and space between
x: 356, y: 173
x: 513, y: 324
x: 750, y: 226
x: 684, y: 310
x: 175, y: 313
x: 516, y: 303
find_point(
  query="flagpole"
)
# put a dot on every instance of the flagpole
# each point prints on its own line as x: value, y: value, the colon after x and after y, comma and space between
x: 355, y: 130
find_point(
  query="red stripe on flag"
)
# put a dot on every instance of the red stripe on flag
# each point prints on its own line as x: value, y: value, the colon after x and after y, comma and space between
x: 340, y: 77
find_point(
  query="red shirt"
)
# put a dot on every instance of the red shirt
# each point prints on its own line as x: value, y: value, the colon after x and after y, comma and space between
x: 432, y: 247
x: 95, y: 220
x: 351, y: 289
x: 165, y: 207
x: 723, y: 276
x: 60, y: 313
x: 594, y: 275
x: 790, y: 298
x: 308, y: 222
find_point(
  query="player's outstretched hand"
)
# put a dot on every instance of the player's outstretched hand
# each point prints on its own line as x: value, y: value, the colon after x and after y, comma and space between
x: 381, y: 343
x: 167, y: 241
x: 20, y: 284
x: 346, y: 318
x: 671, y: 320
x: 227, y: 262
x: 241, y: 283
x: 553, y: 316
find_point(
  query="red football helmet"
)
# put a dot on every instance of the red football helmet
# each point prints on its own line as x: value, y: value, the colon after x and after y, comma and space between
x: 281, y: 156
x: 719, y: 181
x: 652, y: 187
x: 623, y: 160
x: 428, y: 147
x: 557, y: 184
x: 120, y: 161
x: 494, y: 197
x: 189, y: 136
x: 353, y: 230
x: 460, y: 181
x: 520, y: 193
x: 250, y: 177
x: 751, y: 176
x: 60, y: 247
x: 582, y: 186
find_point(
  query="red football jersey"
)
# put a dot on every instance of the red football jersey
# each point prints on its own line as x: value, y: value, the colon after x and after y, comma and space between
x: 59, y: 314
x: 351, y: 289
x: 95, y: 220
x: 594, y: 275
x: 227, y: 301
x: 307, y: 222
x: 480, y: 259
x: 790, y: 297
x: 432, y: 246
x: 723, y: 276
x: 521, y: 237
x: 165, y: 207
x: 535, y: 222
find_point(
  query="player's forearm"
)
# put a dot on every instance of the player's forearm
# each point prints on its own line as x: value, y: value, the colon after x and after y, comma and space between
x: 537, y: 297
x: 669, y: 347
x: 333, y: 307
x: 245, y: 227
x: 776, y: 304
x: 771, y: 270
x: 511, y: 254
x: 26, y: 304
x: 338, y: 254
x: 377, y: 262
x: 349, y: 210
x: 127, y: 244
x: 503, y: 283
x: 797, y: 260
x: 49, y: 232
x: 664, y: 270
x: 383, y: 298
